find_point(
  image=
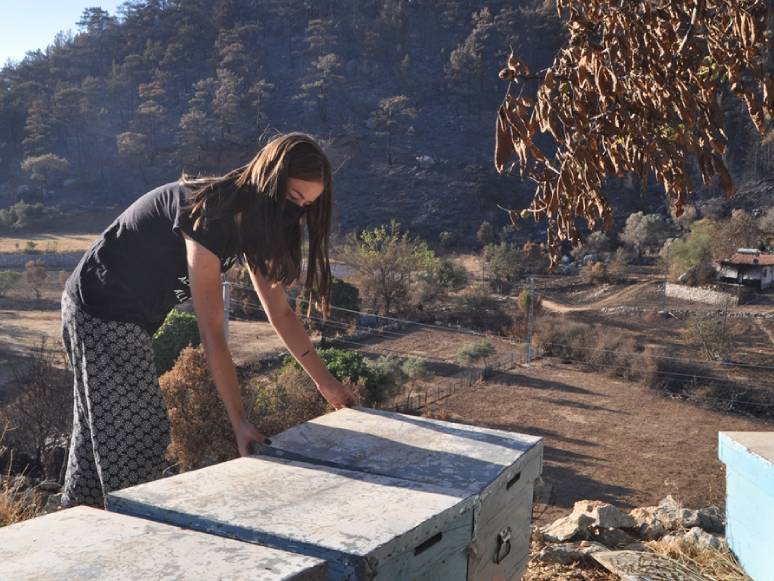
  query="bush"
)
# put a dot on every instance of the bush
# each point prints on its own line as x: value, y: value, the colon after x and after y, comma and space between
x: 343, y: 296
x: 477, y: 309
x: 8, y: 279
x: 504, y: 265
x: 35, y: 272
x: 178, y: 331
x: 200, y: 429
x: 451, y: 275
x: 21, y: 215
x: 471, y: 353
x: 595, y: 273
x: 373, y: 383
x: 692, y: 256
x: 711, y: 336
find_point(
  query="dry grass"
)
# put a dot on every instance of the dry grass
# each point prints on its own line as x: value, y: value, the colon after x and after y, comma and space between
x: 714, y: 564
x: 48, y: 242
x: 15, y: 504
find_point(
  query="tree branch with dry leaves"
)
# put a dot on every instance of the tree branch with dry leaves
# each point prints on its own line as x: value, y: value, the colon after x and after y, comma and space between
x: 635, y: 89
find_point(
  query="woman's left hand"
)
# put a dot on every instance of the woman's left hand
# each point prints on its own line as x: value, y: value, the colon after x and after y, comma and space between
x: 337, y: 394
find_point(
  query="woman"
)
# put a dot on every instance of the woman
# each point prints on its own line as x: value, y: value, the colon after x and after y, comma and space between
x: 172, y: 244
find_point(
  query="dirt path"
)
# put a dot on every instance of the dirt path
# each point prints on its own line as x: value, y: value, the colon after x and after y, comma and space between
x: 616, y: 298
x: 606, y: 439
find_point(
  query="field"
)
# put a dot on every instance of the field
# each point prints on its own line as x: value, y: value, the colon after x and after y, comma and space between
x: 606, y: 437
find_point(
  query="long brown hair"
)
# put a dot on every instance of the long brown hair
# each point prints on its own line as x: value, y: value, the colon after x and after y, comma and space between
x: 256, y: 194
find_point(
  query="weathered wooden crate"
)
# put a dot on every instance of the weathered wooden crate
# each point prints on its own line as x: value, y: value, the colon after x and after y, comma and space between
x: 86, y: 543
x: 366, y: 526
x: 497, y: 469
x: 749, y: 460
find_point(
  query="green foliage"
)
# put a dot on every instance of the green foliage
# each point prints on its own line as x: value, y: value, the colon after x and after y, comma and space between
x: 343, y: 295
x: 644, y: 231
x: 471, y: 353
x: 378, y: 380
x: 504, y: 265
x: 451, y: 275
x: 389, y: 262
x: 178, y: 331
x: 525, y: 299
x: 21, y: 215
x: 8, y: 279
x: 45, y: 168
x: 485, y: 233
x: 693, y: 255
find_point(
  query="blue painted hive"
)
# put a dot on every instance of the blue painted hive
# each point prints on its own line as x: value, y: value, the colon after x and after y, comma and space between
x: 494, y: 469
x: 749, y: 460
x: 85, y: 543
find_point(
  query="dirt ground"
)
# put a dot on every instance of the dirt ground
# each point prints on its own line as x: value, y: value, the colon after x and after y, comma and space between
x: 604, y: 438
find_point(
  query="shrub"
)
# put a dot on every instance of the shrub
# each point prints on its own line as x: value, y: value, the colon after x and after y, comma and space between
x: 16, y: 504
x: 477, y: 309
x: 595, y: 273
x: 41, y: 412
x: 35, y: 272
x: 711, y: 336
x: 471, y: 353
x: 693, y: 255
x: 563, y: 339
x: 485, y: 233
x: 178, y: 331
x: 199, y: 426
x: 525, y: 299
x: 451, y: 275
x: 8, y: 279
x: 352, y: 367
x: 504, y: 265
x: 21, y: 214
x: 344, y: 296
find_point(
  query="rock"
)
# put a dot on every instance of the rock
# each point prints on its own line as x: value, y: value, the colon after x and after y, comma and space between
x: 584, y: 514
x: 53, y: 503
x: 648, y: 527
x: 567, y: 527
x: 566, y: 553
x: 612, y: 538
x: 696, y: 537
x: 605, y: 515
x: 711, y: 520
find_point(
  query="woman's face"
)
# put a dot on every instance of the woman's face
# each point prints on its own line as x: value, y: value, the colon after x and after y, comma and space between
x: 302, y: 192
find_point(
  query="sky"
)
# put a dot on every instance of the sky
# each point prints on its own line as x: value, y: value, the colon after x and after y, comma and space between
x: 32, y: 24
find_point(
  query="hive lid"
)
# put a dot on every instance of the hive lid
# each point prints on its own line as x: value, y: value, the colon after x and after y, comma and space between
x: 458, y: 456
x: 750, y: 454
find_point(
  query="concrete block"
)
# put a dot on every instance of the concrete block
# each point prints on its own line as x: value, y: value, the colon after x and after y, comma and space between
x: 86, y: 543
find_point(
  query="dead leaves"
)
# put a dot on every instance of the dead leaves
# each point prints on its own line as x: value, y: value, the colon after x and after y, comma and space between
x: 634, y: 91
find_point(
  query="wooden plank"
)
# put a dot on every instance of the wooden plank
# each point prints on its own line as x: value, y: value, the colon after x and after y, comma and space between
x: 86, y: 543
x: 358, y: 522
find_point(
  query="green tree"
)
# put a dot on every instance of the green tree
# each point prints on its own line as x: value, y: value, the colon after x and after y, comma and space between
x: 471, y: 353
x: 504, y: 264
x: 390, y: 117
x: 8, y: 279
x: 644, y: 231
x: 178, y: 331
x: 46, y: 168
x: 485, y: 233
x: 388, y: 262
x: 466, y: 62
x: 323, y: 76
x: 690, y: 259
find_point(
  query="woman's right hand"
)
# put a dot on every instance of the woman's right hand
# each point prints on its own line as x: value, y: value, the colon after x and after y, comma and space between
x: 246, y: 433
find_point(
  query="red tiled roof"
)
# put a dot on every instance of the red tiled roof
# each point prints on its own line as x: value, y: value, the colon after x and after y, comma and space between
x: 759, y: 259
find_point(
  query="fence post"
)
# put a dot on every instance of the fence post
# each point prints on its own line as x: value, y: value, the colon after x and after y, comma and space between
x: 530, y: 317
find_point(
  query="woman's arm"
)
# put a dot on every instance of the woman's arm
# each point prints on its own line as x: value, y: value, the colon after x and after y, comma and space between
x: 293, y: 334
x: 204, y: 277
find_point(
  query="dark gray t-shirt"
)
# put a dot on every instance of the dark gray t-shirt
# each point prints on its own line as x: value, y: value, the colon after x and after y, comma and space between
x: 136, y: 271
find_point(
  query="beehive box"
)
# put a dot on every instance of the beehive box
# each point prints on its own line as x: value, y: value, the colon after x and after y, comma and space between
x: 86, y: 543
x: 497, y: 469
x: 366, y: 526
x: 749, y: 460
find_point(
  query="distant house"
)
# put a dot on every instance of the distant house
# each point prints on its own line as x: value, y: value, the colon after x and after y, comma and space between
x: 749, y: 267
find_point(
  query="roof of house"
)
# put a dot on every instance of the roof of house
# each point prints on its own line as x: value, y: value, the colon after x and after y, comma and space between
x: 748, y: 258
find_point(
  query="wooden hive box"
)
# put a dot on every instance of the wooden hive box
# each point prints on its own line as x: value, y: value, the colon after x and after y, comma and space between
x: 366, y: 526
x: 749, y: 460
x: 496, y: 469
x: 86, y: 543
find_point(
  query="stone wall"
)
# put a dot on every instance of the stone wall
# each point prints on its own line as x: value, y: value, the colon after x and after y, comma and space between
x: 701, y: 295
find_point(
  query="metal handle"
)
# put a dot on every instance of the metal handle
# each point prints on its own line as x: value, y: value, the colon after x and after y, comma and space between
x: 503, y: 545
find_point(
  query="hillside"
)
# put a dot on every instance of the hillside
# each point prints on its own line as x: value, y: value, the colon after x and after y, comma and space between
x: 131, y: 100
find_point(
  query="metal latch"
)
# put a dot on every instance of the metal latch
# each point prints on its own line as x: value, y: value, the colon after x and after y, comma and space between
x: 503, y: 545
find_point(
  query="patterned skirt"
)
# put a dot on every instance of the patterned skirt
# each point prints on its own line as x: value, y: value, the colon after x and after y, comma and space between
x: 120, y: 426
